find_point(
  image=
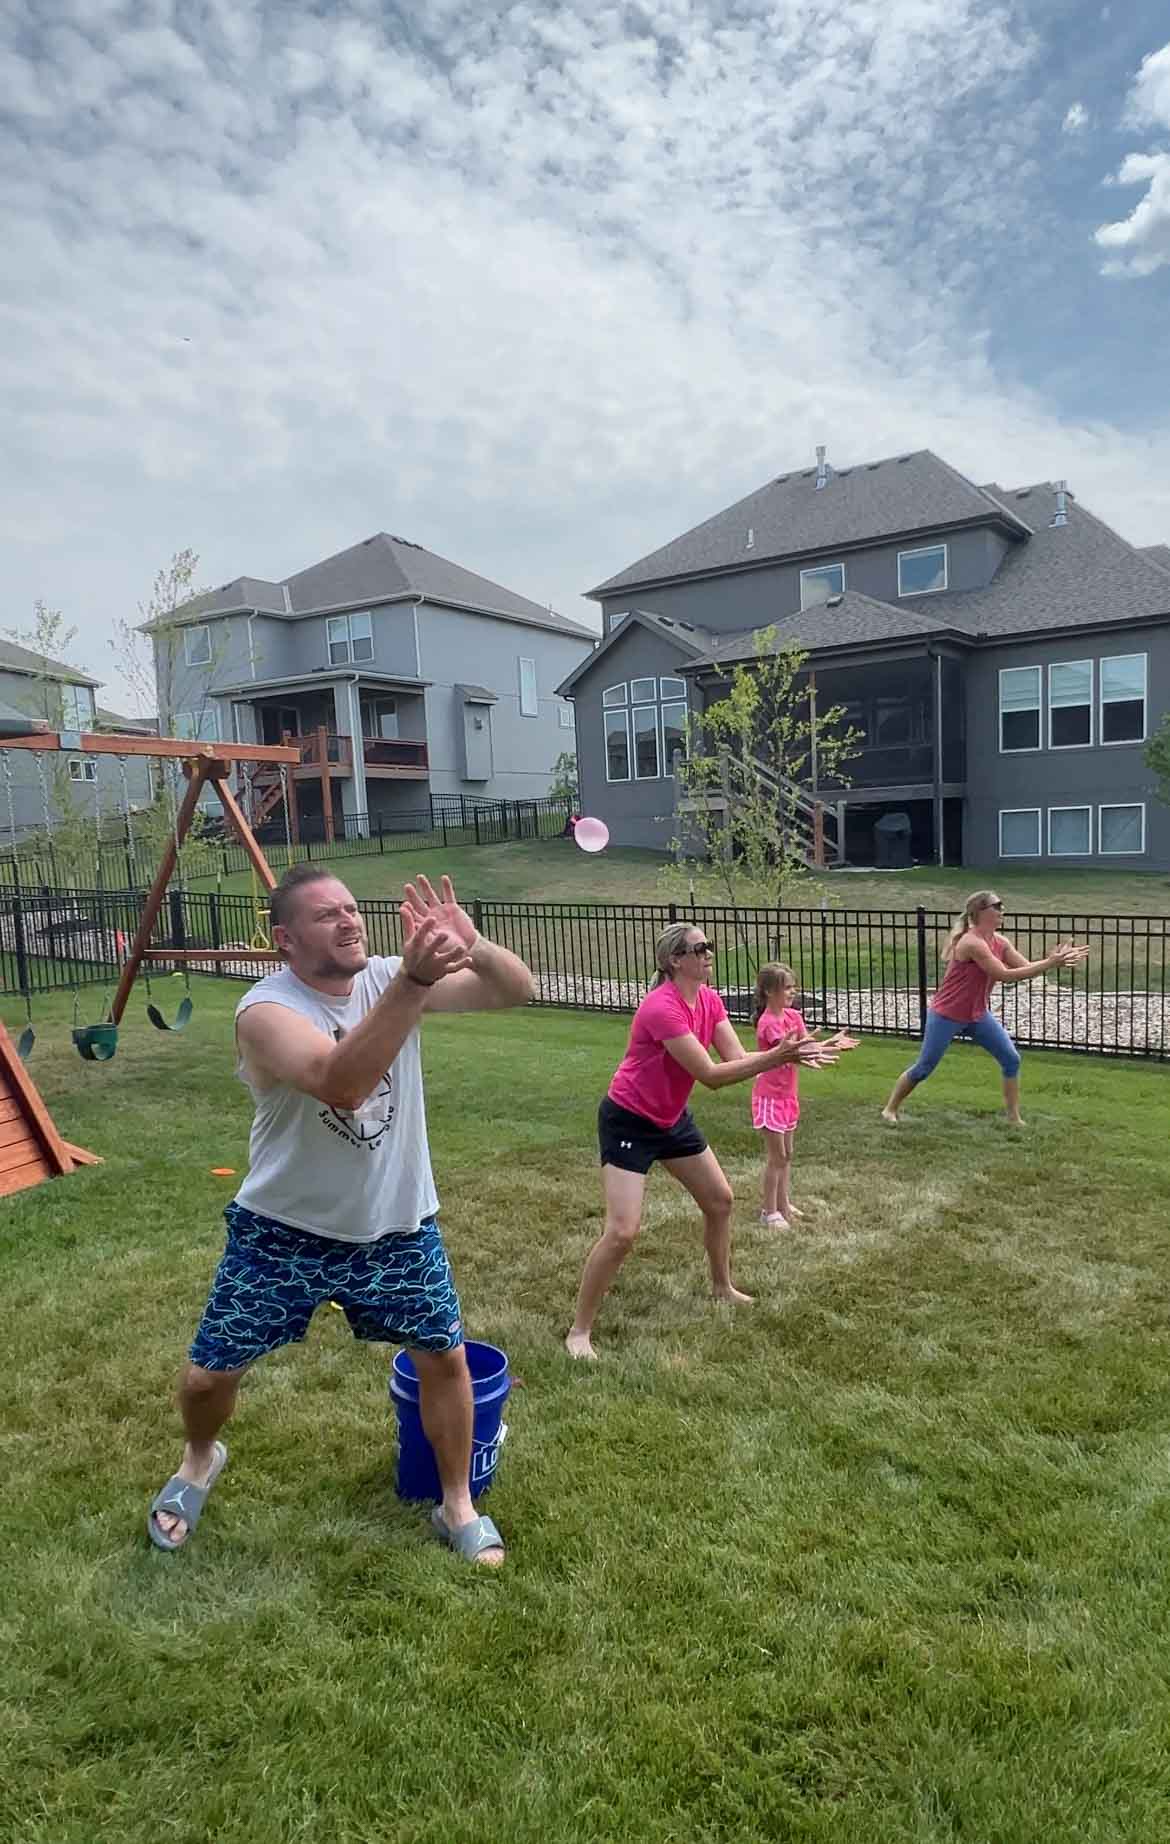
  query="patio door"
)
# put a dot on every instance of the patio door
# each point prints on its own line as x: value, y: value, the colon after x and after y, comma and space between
x: 380, y: 719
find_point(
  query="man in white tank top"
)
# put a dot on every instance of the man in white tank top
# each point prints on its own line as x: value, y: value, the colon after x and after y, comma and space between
x: 339, y: 1202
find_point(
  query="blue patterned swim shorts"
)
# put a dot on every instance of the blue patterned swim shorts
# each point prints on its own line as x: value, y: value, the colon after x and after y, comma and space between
x: 271, y: 1280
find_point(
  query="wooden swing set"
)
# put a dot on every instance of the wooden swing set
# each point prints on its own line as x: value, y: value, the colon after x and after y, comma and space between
x: 31, y: 1148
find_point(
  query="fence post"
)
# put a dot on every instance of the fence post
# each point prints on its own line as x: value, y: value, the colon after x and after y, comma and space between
x: 477, y: 914
x: 213, y: 906
x: 381, y: 839
x: 475, y: 817
x: 672, y: 912
x: 178, y: 923
x: 19, y: 941
x: 443, y: 823
x: 920, y: 914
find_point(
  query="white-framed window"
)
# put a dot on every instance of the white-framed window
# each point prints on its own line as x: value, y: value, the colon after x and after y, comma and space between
x: 1123, y: 699
x: 646, y: 742
x: 672, y: 688
x: 924, y: 571
x: 1070, y: 832
x: 350, y: 639
x: 198, y: 726
x: 818, y: 584
x: 1019, y: 708
x: 82, y: 768
x: 614, y: 695
x: 617, y: 745
x: 643, y: 691
x: 566, y: 716
x: 1122, y: 828
x: 197, y: 646
x: 77, y: 707
x: 1019, y: 832
x: 1070, y: 704
x: 529, y: 705
x: 674, y: 734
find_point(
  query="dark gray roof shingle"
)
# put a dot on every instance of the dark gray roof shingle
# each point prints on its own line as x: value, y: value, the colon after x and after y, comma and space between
x: 790, y: 518
x: 1076, y: 575
x: 23, y: 660
x: 376, y: 570
x: 1157, y: 553
x: 848, y: 620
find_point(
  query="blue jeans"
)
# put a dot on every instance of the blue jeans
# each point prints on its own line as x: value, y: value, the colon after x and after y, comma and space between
x: 986, y: 1031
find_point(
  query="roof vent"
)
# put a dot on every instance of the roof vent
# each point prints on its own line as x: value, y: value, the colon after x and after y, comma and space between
x: 871, y: 467
x: 843, y: 473
x: 1060, y: 516
x: 822, y: 470
x: 902, y: 459
x: 751, y: 538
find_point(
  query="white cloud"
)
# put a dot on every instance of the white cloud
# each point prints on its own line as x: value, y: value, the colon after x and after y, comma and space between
x: 1149, y: 100
x: 1140, y: 244
x: 537, y: 288
x: 1076, y: 120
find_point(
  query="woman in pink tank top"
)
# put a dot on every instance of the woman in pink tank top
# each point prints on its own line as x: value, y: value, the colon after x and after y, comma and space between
x: 977, y: 957
x: 644, y: 1119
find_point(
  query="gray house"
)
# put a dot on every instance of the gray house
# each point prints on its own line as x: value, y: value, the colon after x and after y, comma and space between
x: 1004, y: 654
x: 398, y: 674
x: 37, y: 791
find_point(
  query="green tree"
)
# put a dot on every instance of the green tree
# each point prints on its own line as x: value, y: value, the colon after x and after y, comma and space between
x: 564, y: 782
x: 1158, y: 757
x: 743, y: 830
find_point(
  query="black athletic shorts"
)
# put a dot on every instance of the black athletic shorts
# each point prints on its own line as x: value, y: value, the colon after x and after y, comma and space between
x: 632, y: 1143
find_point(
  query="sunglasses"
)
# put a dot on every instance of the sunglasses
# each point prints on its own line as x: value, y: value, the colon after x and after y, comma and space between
x: 993, y: 905
x: 699, y: 947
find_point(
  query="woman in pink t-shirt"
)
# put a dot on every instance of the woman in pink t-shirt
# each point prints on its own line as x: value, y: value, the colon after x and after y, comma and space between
x: 977, y: 957
x: 645, y: 1118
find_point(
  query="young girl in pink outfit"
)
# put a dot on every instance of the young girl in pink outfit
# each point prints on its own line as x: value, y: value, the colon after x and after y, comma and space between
x: 776, y: 1093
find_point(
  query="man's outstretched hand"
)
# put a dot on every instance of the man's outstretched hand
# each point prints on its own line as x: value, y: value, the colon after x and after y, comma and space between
x: 421, y: 899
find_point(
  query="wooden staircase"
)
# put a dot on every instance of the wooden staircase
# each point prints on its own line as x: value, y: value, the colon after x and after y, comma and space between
x: 818, y: 825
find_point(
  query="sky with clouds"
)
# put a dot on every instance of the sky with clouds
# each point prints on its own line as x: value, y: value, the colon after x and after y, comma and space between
x: 539, y: 286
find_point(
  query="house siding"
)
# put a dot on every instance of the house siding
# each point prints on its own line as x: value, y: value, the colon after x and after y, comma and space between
x: 753, y: 598
x: 28, y: 799
x: 638, y: 813
x: 459, y: 648
x: 1095, y: 775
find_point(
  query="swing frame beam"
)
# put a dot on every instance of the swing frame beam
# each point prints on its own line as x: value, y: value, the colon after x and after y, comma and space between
x: 205, y: 765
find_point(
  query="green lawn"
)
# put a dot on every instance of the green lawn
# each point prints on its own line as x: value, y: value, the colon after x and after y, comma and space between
x: 554, y: 871
x: 882, y: 1559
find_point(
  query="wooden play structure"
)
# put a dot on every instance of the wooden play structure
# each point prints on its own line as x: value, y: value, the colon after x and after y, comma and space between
x: 31, y: 1149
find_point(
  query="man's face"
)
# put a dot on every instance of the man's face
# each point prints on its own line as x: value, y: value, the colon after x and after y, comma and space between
x: 325, y: 937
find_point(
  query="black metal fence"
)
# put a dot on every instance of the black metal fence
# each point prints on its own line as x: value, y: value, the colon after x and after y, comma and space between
x: 871, y: 971
x: 126, y: 861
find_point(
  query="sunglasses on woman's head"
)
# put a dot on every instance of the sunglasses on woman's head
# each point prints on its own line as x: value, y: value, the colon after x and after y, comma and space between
x: 698, y: 947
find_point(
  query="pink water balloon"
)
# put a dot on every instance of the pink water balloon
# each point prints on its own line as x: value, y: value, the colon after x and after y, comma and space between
x: 591, y: 835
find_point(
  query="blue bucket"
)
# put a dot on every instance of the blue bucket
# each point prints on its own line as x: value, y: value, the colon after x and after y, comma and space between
x: 418, y: 1476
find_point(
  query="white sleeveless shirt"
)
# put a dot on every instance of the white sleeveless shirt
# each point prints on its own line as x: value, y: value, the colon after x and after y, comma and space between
x: 352, y: 1176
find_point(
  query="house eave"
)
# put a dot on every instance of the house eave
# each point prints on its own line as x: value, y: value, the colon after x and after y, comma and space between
x: 202, y: 618
x: 317, y: 681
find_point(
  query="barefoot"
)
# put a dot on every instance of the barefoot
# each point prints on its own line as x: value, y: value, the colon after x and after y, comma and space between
x: 579, y: 1344
x: 891, y: 1120
x: 731, y: 1296
x: 795, y: 1213
x: 1013, y: 1120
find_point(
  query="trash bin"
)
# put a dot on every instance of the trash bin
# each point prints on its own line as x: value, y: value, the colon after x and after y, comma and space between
x: 891, y: 841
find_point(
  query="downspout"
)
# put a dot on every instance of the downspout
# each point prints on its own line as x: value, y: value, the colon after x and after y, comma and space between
x: 938, y: 797
x: 417, y: 649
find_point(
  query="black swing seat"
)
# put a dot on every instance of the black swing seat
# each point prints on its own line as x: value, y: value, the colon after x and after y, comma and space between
x: 25, y: 1042
x: 96, y: 1043
x: 182, y: 1016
